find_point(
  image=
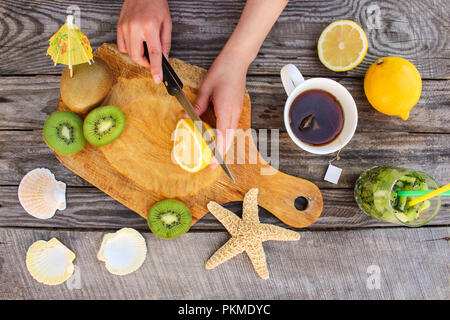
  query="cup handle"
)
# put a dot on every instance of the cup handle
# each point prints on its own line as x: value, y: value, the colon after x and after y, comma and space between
x: 291, y: 78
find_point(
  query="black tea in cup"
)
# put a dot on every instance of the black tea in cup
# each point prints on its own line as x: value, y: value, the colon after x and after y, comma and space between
x: 316, y: 117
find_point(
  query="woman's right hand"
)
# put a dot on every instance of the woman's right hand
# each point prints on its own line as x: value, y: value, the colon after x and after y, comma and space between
x: 149, y: 21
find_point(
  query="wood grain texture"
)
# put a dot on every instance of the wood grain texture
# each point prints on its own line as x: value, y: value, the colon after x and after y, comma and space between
x: 26, y: 102
x: 91, y: 209
x: 22, y: 151
x: 414, y: 29
x: 320, y: 265
x: 429, y: 115
x: 327, y: 264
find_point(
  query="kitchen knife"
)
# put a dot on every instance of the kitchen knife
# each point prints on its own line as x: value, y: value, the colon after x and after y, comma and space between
x: 174, y: 87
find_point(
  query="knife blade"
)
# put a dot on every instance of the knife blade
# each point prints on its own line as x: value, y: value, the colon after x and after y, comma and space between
x: 174, y: 87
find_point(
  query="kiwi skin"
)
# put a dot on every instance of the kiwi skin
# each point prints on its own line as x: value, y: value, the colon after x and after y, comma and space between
x: 177, y: 211
x: 107, y: 115
x: 63, y: 132
x: 88, y: 86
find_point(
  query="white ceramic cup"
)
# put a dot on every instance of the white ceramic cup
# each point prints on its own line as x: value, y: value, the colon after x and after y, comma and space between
x: 294, y: 84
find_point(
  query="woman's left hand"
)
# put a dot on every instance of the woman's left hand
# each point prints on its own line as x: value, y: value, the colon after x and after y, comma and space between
x: 224, y: 87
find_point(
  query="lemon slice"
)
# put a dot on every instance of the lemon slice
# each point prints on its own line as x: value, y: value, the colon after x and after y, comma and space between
x: 190, y: 151
x: 342, y: 45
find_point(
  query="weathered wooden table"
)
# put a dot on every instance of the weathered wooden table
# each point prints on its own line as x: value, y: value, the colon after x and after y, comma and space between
x: 335, y: 256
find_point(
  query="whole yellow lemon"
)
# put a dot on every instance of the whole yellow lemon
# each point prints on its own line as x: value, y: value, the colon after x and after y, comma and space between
x: 393, y: 86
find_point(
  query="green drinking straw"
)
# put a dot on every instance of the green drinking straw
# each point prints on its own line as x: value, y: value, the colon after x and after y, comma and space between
x: 418, y: 193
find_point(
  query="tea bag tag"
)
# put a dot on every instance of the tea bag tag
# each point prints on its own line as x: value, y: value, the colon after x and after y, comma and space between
x: 333, y: 173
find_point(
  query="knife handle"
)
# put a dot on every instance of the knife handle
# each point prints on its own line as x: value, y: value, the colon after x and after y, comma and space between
x: 170, y: 80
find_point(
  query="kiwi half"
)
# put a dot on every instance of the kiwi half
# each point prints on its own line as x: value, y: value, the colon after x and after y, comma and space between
x: 63, y: 132
x: 169, y: 219
x: 103, y: 125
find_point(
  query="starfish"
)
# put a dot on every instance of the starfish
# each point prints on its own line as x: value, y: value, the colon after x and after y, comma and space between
x: 247, y: 234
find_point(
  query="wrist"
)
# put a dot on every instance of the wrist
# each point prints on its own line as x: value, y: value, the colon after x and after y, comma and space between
x: 243, y: 55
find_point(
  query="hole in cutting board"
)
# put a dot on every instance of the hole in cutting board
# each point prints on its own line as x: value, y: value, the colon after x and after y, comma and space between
x: 301, y: 203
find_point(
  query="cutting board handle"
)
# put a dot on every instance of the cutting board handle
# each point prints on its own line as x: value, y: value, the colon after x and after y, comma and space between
x: 295, y: 201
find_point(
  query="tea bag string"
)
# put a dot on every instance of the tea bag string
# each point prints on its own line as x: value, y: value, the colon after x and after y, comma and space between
x: 337, y: 157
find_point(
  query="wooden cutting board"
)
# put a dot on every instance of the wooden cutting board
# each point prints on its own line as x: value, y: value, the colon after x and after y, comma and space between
x: 109, y: 171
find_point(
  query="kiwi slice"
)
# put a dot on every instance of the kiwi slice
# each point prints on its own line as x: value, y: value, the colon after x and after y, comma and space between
x: 169, y: 219
x: 103, y: 125
x: 63, y: 132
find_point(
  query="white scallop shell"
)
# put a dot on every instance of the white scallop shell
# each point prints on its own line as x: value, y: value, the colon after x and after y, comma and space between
x: 40, y: 194
x: 50, y: 262
x: 123, y: 251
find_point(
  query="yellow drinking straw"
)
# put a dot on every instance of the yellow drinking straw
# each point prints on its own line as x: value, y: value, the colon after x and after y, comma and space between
x: 429, y: 195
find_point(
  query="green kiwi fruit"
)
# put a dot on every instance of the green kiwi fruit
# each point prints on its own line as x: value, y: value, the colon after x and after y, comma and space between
x: 103, y: 125
x: 169, y: 219
x: 63, y: 132
x: 87, y: 87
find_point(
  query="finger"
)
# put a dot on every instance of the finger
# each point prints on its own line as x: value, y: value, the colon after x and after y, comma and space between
x: 203, y: 99
x: 154, y: 52
x: 166, y: 37
x: 213, y: 163
x: 227, y: 107
x: 217, y: 137
x: 135, y: 47
x: 121, y: 44
x: 224, y: 141
x: 224, y: 136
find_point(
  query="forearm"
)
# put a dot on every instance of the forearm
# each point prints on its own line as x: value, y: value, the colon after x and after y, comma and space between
x: 256, y: 20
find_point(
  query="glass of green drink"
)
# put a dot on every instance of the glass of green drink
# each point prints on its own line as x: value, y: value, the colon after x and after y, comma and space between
x: 376, y: 195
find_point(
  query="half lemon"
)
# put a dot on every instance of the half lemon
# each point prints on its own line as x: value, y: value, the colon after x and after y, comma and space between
x: 342, y: 45
x: 190, y: 151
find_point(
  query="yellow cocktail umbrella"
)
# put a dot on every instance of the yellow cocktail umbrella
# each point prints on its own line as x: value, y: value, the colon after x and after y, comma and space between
x: 70, y: 46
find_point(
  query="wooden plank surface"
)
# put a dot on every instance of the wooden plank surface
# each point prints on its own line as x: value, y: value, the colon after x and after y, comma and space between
x: 89, y: 209
x: 22, y: 151
x: 414, y: 29
x: 26, y: 102
x: 323, y: 265
x: 326, y: 264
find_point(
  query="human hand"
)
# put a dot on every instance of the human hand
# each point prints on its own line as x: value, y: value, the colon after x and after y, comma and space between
x: 149, y: 21
x: 224, y: 87
x: 224, y: 84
